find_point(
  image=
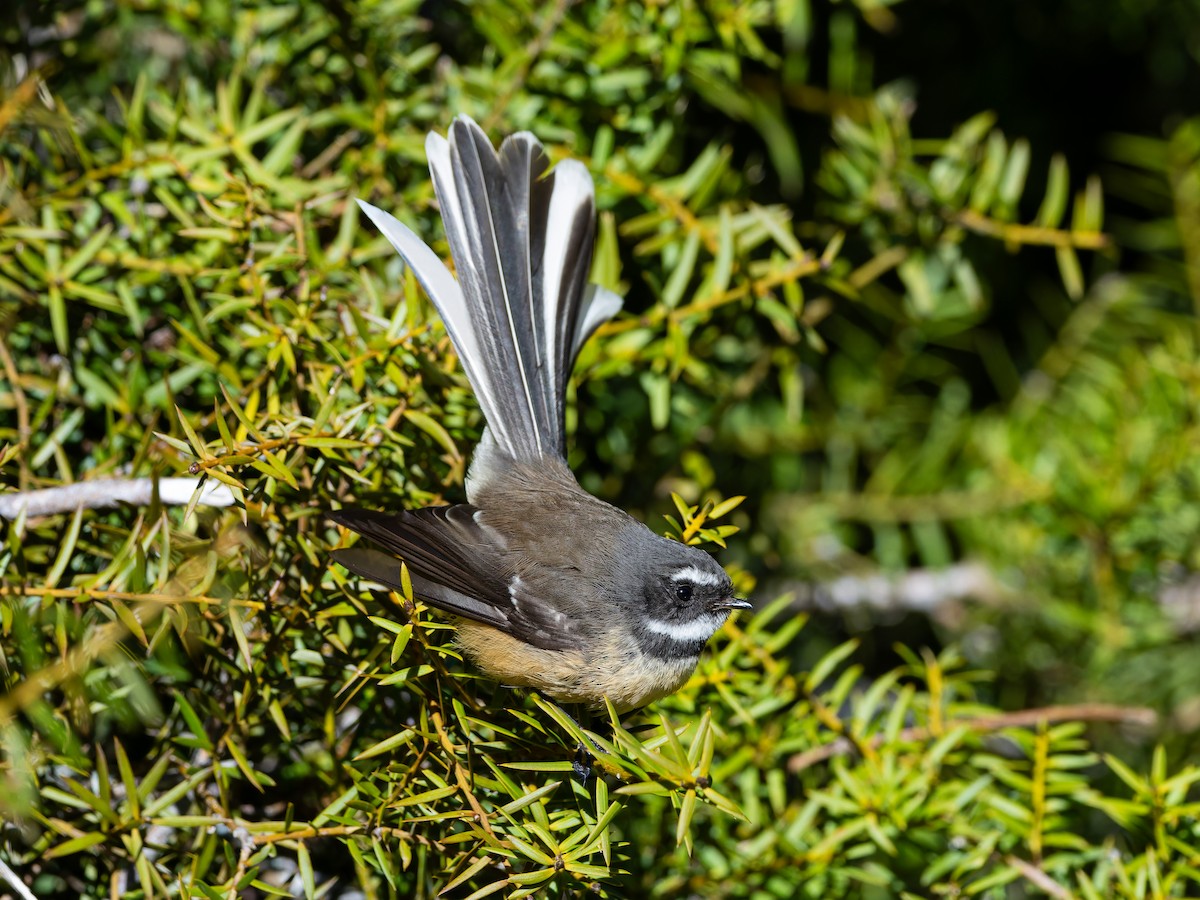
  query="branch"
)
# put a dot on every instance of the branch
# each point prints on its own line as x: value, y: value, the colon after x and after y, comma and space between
x: 1014, y: 233
x: 1036, y: 876
x: 17, y: 884
x: 80, y: 593
x: 917, y: 590
x: 106, y: 492
x: 1025, y: 718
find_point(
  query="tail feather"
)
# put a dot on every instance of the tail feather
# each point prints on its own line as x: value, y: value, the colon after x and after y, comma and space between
x: 522, y: 246
x: 568, y: 234
x: 491, y: 254
x: 599, y: 305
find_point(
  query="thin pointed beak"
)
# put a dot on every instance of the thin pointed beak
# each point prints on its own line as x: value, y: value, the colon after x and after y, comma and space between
x: 735, y: 603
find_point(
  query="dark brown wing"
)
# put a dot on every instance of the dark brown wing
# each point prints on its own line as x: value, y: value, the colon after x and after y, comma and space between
x: 443, y: 544
x: 459, y: 566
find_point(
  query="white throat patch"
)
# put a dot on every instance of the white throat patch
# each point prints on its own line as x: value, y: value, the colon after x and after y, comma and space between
x: 697, y: 576
x: 700, y: 629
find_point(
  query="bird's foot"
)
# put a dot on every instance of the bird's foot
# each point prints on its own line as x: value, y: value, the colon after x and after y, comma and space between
x: 581, y: 764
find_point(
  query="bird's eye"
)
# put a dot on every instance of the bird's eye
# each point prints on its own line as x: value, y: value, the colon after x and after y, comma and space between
x: 684, y: 592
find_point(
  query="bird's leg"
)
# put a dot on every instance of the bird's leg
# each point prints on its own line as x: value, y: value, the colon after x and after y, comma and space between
x: 581, y: 764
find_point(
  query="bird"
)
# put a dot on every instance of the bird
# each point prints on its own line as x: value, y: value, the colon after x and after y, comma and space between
x: 551, y: 588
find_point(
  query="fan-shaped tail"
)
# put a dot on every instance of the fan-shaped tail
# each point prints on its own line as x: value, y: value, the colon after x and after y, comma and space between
x: 521, y: 240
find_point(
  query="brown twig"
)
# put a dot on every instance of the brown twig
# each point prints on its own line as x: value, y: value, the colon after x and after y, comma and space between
x: 676, y: 208
x: 82, y: 593
x: 793, y: 271
x: 1014, y: 233
x: 1038, y: 878
x: 310, y: 831
x: 329, y: 154
x: 1025, y: 718
x: 464, y: 782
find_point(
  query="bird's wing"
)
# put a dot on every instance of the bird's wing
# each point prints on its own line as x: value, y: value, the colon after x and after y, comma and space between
x: 459, y: 566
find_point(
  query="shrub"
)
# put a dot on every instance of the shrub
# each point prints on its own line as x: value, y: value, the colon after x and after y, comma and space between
x: 196, y: 704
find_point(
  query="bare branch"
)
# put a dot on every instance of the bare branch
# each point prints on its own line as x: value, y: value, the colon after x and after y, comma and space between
x: 112, y: 492
x: 15, y: 882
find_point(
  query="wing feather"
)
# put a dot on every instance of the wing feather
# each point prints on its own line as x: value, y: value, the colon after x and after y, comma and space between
x: 458, y: 566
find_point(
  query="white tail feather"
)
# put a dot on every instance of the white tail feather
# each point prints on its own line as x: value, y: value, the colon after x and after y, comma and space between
x: 599, y: 305
x: 442, y: 289
x: 572, y: 190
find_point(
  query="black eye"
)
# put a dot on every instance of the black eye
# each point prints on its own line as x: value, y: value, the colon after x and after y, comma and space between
x: 684, y: 592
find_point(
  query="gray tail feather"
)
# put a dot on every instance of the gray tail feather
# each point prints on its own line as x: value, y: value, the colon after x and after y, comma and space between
x: 522, y: 245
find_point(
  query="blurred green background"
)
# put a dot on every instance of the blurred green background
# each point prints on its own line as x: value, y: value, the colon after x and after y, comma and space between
x: 918, y: 279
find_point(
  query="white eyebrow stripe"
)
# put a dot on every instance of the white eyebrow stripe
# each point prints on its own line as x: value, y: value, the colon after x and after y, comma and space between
x: 700, y: 629
x: 697, y: 576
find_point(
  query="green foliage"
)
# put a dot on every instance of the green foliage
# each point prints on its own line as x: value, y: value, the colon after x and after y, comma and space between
x: 819, y: 317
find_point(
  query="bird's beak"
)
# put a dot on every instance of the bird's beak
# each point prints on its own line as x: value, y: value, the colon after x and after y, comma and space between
x: 734, y: 603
